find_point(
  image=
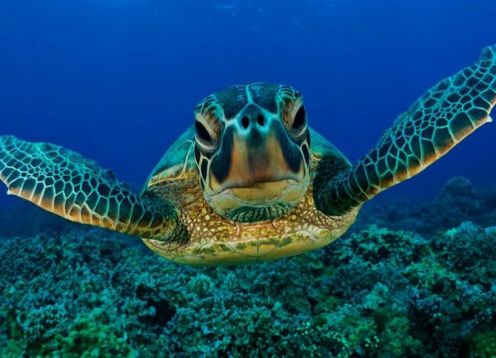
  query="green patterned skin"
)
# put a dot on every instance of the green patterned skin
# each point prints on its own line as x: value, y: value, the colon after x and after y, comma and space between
x: 438, y: 121
x: 66, y: 184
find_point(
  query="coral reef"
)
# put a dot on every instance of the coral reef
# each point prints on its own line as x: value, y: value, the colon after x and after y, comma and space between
x: 457, y: 202
x: 381, y: 292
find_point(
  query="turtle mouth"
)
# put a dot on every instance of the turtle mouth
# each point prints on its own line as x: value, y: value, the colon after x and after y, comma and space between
x: 263, y: 192
x: 265, y: 200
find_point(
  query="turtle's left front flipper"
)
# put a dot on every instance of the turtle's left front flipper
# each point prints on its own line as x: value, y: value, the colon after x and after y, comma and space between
x: 64, y: 183
x: 439, y: 120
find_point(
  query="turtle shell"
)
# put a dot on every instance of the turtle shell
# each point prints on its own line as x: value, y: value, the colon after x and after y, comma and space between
x: 177, y: 160
x: 321, y: 147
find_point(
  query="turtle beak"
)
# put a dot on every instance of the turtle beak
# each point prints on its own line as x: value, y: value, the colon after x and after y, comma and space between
x: 257, y: 160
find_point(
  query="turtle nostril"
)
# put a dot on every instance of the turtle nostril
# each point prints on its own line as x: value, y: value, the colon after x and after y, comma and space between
x: 261, y: 120
x: 245, y: 122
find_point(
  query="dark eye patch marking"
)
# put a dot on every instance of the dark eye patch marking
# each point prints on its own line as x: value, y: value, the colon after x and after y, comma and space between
x: 221, y: 163
x: 204, y: 168
x: 289, y: 149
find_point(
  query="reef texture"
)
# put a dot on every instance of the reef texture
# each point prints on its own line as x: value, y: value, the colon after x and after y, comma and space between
x: 378, y: 292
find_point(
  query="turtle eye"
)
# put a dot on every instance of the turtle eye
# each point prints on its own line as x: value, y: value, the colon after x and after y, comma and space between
x: 300, y: 119
x: 204, y: 136
x: 202, y: 133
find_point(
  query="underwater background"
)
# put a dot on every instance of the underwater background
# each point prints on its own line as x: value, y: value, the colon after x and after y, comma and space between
x: 117, y: 81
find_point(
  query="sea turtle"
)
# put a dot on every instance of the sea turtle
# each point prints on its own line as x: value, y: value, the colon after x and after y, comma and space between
x: 250, y: 180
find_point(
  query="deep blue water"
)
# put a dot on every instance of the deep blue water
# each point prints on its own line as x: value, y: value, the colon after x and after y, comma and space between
x: 117, y: 80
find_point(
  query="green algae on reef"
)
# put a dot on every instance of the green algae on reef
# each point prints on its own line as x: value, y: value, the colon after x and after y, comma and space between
x: 376, y: 292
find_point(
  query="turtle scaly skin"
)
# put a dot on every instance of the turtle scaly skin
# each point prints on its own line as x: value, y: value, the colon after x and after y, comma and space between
x: 64, y: 183
x: 251, y: 181
x: 444, y: 116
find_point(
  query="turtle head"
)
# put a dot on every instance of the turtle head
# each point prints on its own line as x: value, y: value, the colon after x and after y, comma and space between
x: 252, y: 150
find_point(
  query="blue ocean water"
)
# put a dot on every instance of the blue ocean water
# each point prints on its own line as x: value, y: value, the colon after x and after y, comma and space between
x: 117, y: 81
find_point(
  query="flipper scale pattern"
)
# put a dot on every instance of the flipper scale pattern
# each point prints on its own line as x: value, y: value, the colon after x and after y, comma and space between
x: 64, y: 183
x: 432, y: 126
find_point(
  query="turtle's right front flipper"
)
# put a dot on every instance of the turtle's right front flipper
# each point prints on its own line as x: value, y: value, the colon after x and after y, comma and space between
x: 435, y: 124
x: 64, y: 183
